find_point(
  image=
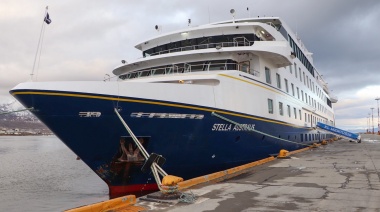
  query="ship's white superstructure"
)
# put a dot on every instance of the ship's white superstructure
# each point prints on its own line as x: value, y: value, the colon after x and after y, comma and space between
x: 274, y: 69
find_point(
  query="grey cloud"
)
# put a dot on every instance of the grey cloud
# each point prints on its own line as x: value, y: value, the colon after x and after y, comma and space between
x: 89, y: 38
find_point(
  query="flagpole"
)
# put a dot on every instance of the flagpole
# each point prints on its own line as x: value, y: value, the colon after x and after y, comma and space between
x: 38, y: 46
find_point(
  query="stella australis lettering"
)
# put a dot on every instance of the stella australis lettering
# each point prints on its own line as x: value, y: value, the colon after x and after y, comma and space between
x: 233, y: 127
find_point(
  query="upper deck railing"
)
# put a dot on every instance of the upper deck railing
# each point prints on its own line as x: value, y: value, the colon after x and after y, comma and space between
x: 238, y: 41
x: 188, y: 68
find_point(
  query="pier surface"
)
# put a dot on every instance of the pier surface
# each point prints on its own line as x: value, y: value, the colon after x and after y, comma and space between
x: 340, y: 176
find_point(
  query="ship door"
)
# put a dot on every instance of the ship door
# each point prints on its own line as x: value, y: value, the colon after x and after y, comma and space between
x: 244, y: 66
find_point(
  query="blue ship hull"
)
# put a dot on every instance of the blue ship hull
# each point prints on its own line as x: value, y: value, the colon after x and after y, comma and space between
x: 193, y: 141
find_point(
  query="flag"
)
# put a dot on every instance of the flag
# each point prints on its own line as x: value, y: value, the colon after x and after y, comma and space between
x: 47, y: 19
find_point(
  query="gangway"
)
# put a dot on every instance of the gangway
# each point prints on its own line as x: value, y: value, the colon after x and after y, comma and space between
x: 339, y: 132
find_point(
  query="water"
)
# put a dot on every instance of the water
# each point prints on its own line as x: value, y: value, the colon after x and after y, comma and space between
x: 39, y: 173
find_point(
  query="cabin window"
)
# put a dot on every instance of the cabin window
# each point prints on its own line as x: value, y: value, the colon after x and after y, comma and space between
x: 280, y: 107
x: 292, y: 88
x: 286, y: 86
x: 267, y: 75
x: 270, y: 106
x: 298, y: 92
x: 300, y: 114
x: 291, y: 69
x: 295, y: 112
x: 310, y: 84
x: 289, y: 112
x: 300, y: 74
x: 278, y: 78
x: 304, y: 78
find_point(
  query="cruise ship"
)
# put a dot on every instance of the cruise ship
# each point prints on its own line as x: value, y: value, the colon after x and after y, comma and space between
x: 205, y: 98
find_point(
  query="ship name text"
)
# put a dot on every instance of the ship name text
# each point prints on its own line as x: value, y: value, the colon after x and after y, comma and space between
x: 233, y: 127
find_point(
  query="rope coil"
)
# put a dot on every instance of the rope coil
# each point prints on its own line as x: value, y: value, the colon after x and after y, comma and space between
x: 187, y: 197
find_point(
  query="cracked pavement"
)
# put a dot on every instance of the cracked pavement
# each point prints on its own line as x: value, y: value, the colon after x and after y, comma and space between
x: 342, y: 176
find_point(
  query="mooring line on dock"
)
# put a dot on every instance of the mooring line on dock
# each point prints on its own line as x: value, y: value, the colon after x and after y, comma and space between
x: 253, y: 130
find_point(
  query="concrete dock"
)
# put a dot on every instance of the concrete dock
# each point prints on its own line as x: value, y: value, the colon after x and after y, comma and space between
x: 340, y: 176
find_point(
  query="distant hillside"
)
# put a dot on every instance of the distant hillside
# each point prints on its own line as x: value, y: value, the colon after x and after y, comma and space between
x: 21, y: 120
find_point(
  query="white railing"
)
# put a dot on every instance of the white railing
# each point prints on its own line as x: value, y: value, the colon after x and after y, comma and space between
x: 254, y: 72
x: 186, y: 68
x: 238, y: 42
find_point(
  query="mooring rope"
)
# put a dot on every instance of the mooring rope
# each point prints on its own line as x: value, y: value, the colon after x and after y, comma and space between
x: 156, y: 169
x: 15, y: 111
x: 253, y: 130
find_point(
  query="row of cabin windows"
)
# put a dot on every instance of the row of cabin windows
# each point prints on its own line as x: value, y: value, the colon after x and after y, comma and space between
x: 314, y: 88
x: 299, y: 54
x: 307, y: 81
x: 281, y: 109
x: 312, y: 137
x: 309, y: 137
x: 305, y: 97
x: 308, y: 118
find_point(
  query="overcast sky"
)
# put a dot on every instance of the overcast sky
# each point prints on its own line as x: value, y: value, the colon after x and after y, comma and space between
x: 87, y: 39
